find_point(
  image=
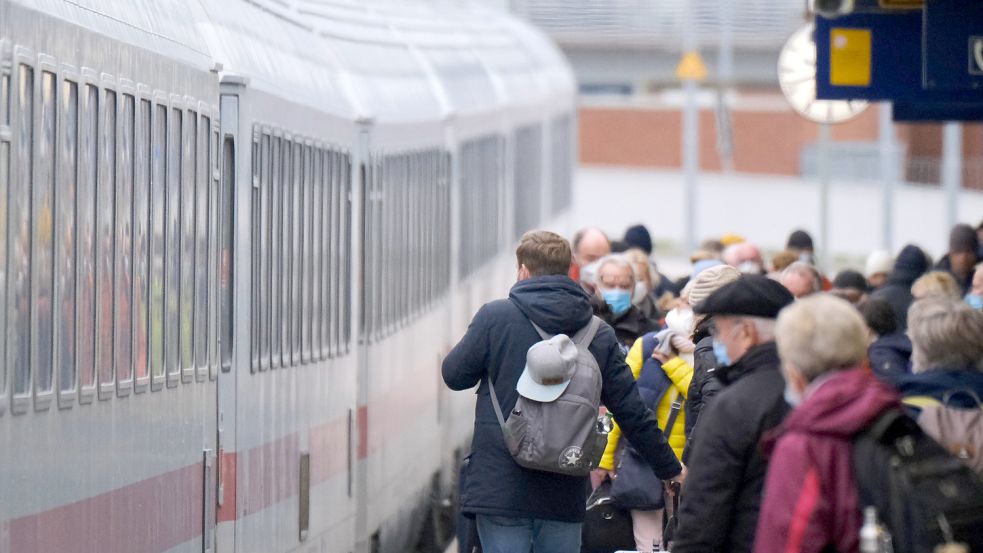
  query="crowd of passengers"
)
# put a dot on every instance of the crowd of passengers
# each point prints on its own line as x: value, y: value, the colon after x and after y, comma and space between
x: 765, y: 372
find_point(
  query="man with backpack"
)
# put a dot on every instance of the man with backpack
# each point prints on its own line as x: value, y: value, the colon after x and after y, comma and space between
x: 519, y: 509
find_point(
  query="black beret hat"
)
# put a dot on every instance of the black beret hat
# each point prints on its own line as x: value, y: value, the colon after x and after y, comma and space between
x: 750, y: 295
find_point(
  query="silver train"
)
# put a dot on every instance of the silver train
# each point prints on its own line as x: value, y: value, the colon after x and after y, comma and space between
x: 236, y: 238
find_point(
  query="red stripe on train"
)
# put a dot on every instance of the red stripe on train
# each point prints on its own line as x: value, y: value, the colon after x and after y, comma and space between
x: 125, y: 519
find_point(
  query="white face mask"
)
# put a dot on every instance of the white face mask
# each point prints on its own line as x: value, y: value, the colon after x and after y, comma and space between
x: 639, y: 294
x: 792, y: 397
x: 750, y: 268
x: 680, y: 320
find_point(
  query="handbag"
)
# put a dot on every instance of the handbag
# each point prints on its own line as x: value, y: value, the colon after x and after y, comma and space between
x: 635, y: 485
x: 607, y: 528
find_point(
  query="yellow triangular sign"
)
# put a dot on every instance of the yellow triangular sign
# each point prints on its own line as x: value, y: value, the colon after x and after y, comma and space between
x: 691, y: 67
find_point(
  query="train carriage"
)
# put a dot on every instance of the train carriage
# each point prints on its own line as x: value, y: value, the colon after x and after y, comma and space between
x: 237, y: 238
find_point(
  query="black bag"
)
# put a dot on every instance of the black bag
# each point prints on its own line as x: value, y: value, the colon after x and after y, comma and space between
x: 636, y: 486
x: 606, y: 527
x: 923, y: 495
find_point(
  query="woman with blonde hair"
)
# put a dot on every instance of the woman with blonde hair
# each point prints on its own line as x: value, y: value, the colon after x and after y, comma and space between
x: 936, y: 283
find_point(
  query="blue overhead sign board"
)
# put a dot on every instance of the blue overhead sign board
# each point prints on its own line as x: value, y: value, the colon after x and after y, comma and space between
x: 953, y: 42
x: 929, y: 61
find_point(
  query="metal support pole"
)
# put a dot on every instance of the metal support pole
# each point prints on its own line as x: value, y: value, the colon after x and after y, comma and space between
x: 952, y: 148
x: 825, y: 253
x: 691, y: 158
x: 691, y: 130
x: 889, y: 176
x: 725, y: 81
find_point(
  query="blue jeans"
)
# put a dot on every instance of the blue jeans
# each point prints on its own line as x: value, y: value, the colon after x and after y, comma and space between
x: 527, y: 535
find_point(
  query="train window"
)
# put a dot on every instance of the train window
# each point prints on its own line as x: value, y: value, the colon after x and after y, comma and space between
x: 142, y: 176
x: 296, y: 260
x: 215, y: 159
x: 317, y: 245
x: 202, y: 175
x: 19, y: 221
x: 158, y: 242
x: 275, y: 249
x: 226, y: 267
x: 42, y: 221
x: 214, y: 195
x: 124, y: 246
x: 64, y: 346
x: 334, y: 267
x: 189, y: 151
x: 286, y: 226
x: 86, y: 248
x: 261, y: 162
x: 332, y: 273
x: 172, y: 249
x: 255, y: 197
x: 310, y: 261
x: 18, y: 339
x: 105, y: 212
x: 254, y: 320
x: 346, y: 274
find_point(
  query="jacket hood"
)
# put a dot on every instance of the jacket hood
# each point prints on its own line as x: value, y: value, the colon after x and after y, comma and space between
x: 896, y: 341
x: 937, y: 382
x: 910, y: 264
x: 842, y: 405
x: 555, y: 302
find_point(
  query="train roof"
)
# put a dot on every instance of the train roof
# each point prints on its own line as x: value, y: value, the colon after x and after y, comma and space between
x: 384, y: 61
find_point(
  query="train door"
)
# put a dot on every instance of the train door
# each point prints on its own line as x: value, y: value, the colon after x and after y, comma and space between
x: 226, y: 404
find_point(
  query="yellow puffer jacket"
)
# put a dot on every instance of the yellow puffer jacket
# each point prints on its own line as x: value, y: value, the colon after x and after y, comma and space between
x: 680, y: 373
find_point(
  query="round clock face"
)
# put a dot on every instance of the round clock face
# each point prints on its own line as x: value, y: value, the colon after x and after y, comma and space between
x: 797, y: 77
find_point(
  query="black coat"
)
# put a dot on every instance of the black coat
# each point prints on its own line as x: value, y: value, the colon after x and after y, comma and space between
x: 630, y: 326
x: 897, y: 292
x: 495, y: 344
x: 890, y: 356
x: 701, y: 389
x: 722, y: 494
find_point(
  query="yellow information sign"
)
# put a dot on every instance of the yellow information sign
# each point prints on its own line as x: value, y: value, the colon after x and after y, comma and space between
x: 849, y: 60
x: 691, y: 67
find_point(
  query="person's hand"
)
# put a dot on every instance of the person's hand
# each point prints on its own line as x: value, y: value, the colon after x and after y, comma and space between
x: 662, y: 358
x: 598, y: 476
x: 679, y: 478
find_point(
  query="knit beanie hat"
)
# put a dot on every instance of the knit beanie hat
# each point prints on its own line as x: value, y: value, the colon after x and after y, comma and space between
x: 637, y: 236
x: 709, y: 280
x: 879, y: 261
x: 963, y: 239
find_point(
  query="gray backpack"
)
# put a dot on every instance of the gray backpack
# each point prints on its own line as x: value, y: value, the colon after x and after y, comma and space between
x: 566, y: 435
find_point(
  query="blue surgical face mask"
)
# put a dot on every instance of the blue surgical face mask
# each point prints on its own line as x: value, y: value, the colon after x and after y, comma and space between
x: 618, y: 299
x: 720, y: 352
x: 975, y: 301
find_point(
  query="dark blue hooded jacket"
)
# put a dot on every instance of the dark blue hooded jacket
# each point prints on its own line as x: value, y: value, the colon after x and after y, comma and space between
x: 890, y: 356
x: 495, y: 345
x: 936, y: 383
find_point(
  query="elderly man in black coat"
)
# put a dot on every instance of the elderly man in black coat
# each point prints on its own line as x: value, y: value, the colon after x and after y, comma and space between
x: 722, y: 494
x: 520, y: 510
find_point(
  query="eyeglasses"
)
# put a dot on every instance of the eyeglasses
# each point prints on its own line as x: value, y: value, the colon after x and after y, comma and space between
x: 624, y: 283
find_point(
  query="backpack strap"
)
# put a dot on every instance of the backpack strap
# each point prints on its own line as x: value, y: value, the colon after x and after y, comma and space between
x: 677, y: 406
x: 648, y: 345
x: 585, y: 336
x: 495, y: 405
